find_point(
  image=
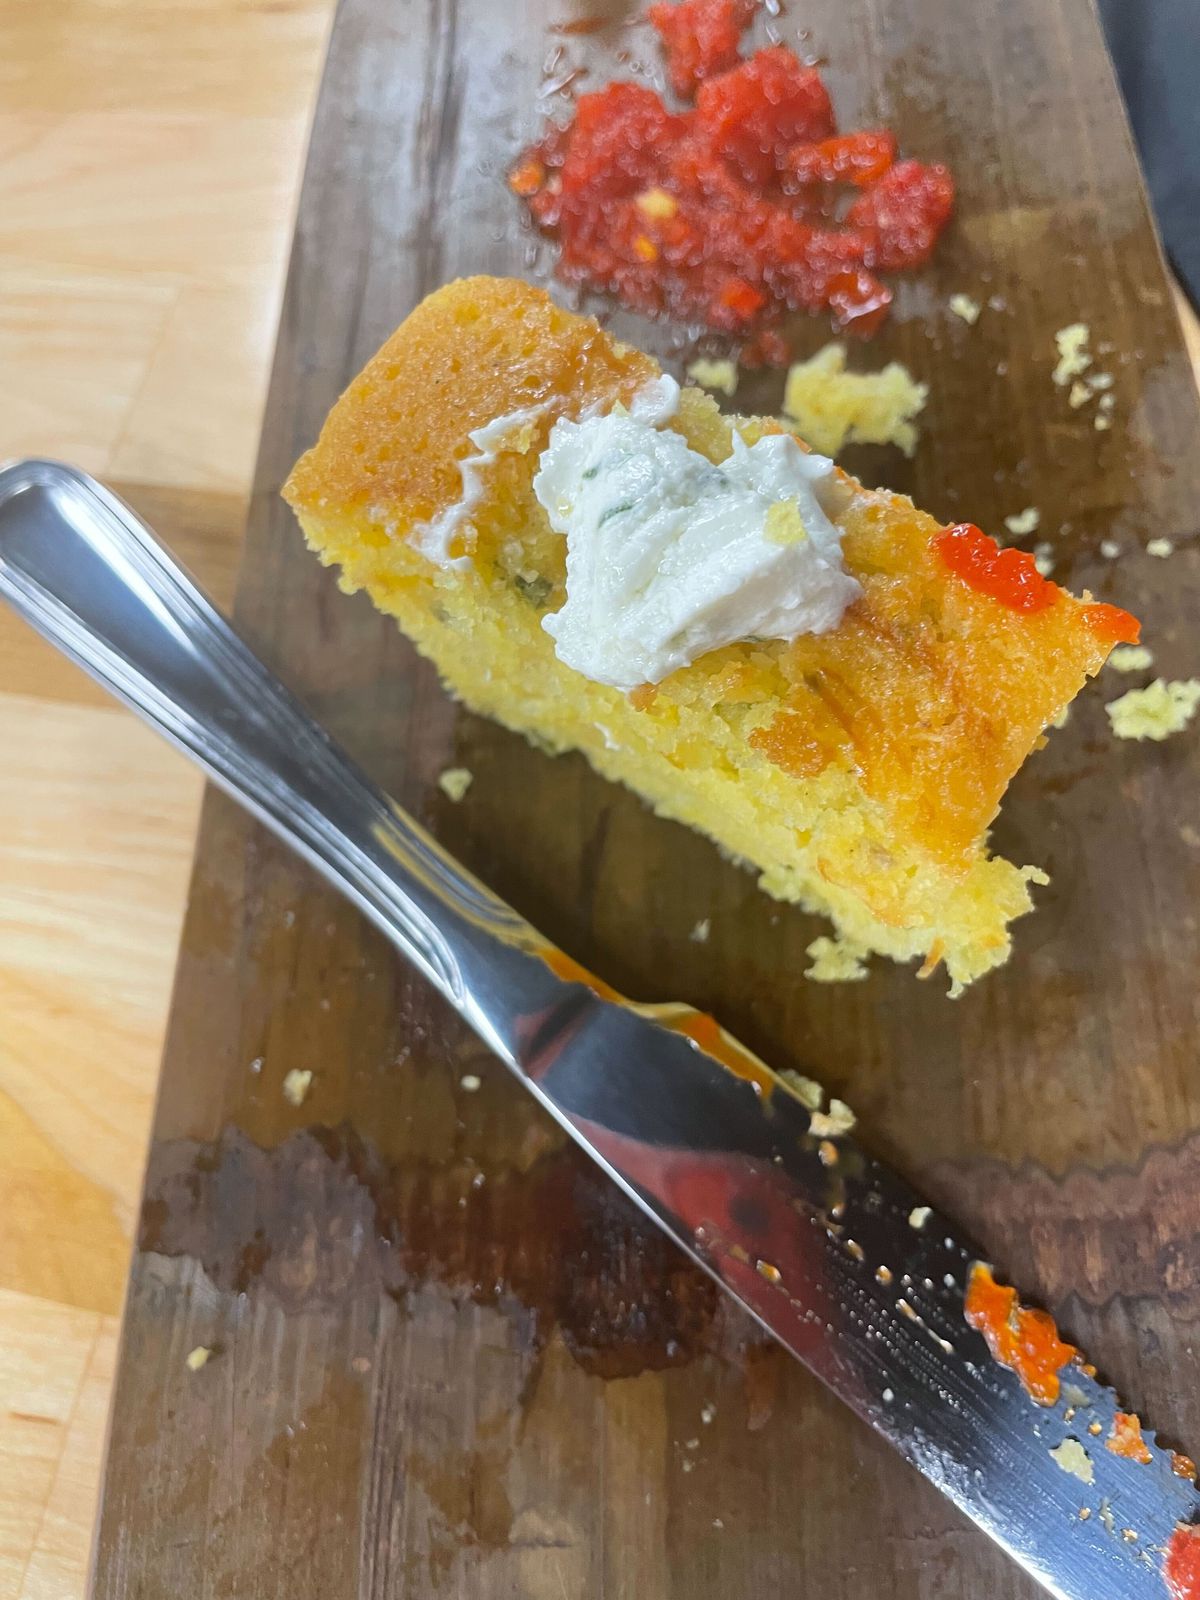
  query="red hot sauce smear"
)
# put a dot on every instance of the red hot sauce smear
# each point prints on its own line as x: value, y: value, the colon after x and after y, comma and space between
x: 737, y: 205
x: 1020, y: 1338
x: 1012, y: 578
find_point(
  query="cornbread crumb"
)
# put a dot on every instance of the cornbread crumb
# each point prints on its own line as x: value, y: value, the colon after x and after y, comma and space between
x: 296, y: 1086
x: 1102, y: 423
x: 1109, y: 549
x: 1130, y: 658
x: 963, y: 306
x: 833, y: 1123
x: 470, y: 1084
x: 1155, y: 712
x: 831, y: 407
x: 1079, y: 396
x: 1073, y: 1458
x: 1074, y: 357
x: 722, y: 375
x: 1024, y: 522
x: 701, y: 931
x: 198, y: 1357
x: 807, y: 1090
x: 1063, y: 717
x: 784, y: 524
x: 707, y: 1412
x: 1043, y: 558
x: 919, y: 1216
x: 835, y: 961
x: 1162, y: 548
x: 455, y: 782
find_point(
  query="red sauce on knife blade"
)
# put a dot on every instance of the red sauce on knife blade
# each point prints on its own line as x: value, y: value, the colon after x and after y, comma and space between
x: 1019, y: 1337
x: 1126, y: 1439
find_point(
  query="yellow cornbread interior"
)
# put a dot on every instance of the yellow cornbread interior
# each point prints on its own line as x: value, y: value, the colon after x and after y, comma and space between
x: 856, y: 772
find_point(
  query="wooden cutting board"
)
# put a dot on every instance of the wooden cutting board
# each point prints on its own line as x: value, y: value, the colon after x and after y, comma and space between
x: 448, y: 1357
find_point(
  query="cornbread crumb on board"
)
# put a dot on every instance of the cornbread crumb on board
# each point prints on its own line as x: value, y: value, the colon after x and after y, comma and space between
x: 835, y: 961
x: 1155, y: 712
x: 965, y: 308
x: 1043, y: 558
x: 1023, y: 522
x: 1074, y: 357
x: 807, y: 1090
x: 454, y: 782
x: 720, y: 375
x: 1162, y: 548
x: 1130, y: 658
x: 296, y: 1085
x: 831, y: 407
x: 831, y: 1124
x: 198, y: 1357
x: 701, y: 930
x: 1109, y: 549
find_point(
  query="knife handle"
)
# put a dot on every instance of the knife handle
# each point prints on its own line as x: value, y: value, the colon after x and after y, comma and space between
x: 90, y: 576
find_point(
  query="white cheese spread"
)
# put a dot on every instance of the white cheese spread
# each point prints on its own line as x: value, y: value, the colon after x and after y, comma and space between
x: 669, y: 556
x: 433, y: 538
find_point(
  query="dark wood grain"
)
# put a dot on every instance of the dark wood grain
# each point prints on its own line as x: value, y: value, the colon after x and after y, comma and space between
x: 449, y: 1359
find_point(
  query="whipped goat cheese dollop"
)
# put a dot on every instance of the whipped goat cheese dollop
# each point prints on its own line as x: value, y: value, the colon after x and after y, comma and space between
x: 669, y: 556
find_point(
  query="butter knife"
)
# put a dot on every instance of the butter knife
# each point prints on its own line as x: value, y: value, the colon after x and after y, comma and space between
x: 831, y: 1251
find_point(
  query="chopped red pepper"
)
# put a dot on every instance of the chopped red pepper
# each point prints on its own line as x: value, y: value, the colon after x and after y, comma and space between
x: 857, y: 158
x: 903, y: 214
x: 752, y: 115
x: 700, y: 38
x: 728, y: 213
x: 1181, y: 1568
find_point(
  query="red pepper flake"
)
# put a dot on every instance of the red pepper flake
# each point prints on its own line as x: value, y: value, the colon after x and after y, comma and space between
x: 1126, y: 1439
x: 1112, y: 625
x: 1020, y: 1338
x: 1009, y: 576
x: 745, y: 191
x: 1181, y: 1567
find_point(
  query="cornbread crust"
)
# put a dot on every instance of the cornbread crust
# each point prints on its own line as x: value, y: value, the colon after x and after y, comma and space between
x: 858, y: 772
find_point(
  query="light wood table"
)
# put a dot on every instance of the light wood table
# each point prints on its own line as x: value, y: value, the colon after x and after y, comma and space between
x: 150, y: 155
x: 150, y: 152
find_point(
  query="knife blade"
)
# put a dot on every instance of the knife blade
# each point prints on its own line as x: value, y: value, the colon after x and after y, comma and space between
x: 831, y: 1251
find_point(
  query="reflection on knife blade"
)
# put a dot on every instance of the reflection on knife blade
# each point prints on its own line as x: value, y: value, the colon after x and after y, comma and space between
x: 902, y: 1317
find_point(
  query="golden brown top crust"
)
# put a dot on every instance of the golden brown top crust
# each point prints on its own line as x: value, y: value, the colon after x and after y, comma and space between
x: 477, y: 349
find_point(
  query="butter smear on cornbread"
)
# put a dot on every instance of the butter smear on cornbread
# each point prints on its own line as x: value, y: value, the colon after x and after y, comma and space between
x: 838, y: 692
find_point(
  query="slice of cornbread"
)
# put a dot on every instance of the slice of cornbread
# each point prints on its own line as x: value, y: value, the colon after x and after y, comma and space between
x: 857, y: 771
